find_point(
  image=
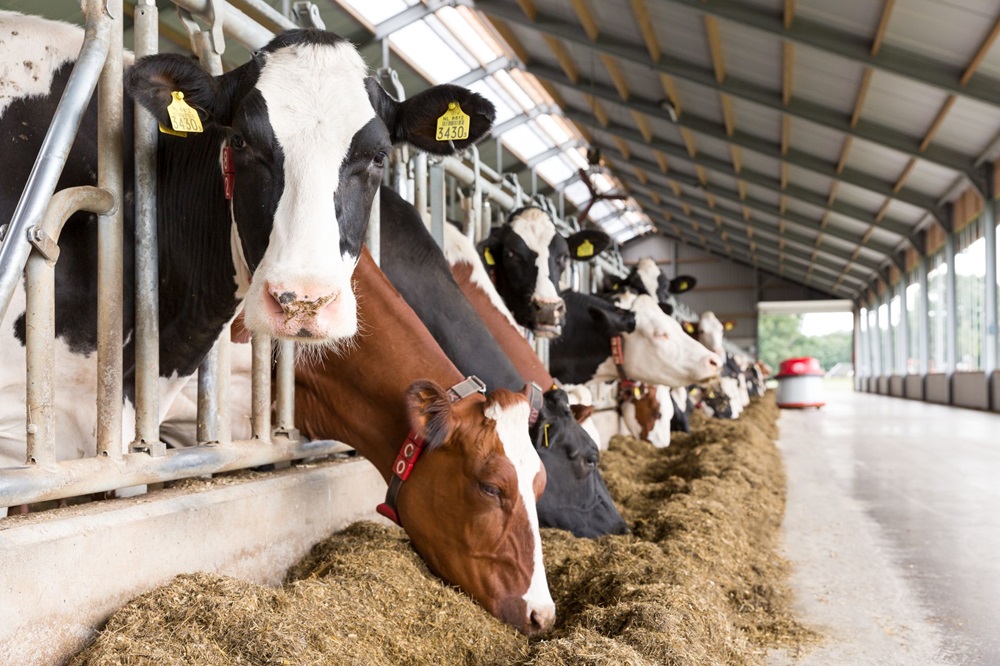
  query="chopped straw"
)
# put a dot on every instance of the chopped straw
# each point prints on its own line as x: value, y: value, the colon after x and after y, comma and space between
x: 698, y: 581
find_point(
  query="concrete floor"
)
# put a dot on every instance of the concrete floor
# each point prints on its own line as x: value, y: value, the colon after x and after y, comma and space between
x: 893, y: 530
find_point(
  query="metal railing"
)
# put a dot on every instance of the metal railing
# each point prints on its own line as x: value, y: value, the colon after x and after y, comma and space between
x: 31, y: 246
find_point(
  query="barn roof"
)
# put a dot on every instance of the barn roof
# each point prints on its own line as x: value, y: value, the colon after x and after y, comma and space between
x: 816, y: 140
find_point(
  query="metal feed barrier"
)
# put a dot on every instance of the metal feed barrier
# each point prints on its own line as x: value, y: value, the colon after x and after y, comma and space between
x: 434, y: 185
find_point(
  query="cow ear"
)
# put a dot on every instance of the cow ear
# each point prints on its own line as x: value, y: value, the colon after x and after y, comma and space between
x: 415, y: 120
x: 587, y: 244
x: 614, y: 321
x: 582, y: 412
x: 491, y: 248
x: 682, y: 283
x: 153, y: 79
x: 728, y: 325
x: 667, y: 308
x: 429, y: 412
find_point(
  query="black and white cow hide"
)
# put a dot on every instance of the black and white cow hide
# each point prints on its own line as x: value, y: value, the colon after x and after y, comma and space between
x: 309, y: 132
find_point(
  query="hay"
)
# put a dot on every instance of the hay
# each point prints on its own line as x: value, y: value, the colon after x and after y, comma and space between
x: 697, y: 582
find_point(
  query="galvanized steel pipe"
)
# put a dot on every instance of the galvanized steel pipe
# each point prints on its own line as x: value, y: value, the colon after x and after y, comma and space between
x: 40, y: 318
x: 55, y: 149
x: 260, y: 401
x: 147, y: 295
x: 110, y: 244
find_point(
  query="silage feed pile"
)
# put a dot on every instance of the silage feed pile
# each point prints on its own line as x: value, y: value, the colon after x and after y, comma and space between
x: 697, y: 582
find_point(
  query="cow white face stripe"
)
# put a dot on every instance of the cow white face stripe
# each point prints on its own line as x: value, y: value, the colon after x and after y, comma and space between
x: 537, y: 231
x: 458, y: 249
x: 512, y: 422
x: 649, y: 274
x: 316, y: 102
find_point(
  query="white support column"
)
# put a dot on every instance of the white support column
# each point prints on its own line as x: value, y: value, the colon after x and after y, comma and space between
x: 903, y: 332
x: 951, y: 304
x: 990, y: 307
x: 923, y: 308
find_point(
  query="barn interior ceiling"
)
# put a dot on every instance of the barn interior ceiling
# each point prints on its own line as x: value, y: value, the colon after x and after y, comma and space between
x: 814, y: 140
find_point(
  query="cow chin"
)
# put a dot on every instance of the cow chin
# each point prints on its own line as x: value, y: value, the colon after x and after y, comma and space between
x: 547, y: 331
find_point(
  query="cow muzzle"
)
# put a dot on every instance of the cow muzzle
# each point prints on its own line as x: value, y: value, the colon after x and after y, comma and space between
x: 549, y: 317
x: 309, y: 313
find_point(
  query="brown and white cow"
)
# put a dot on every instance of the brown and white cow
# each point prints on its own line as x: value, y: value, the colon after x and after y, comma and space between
x: 469, y: 504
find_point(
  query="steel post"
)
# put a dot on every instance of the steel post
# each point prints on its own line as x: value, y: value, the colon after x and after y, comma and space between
x: 284, y: 391
x: 40, y: 315
x: 373, y: 235
x: 260, y: 417
x: 55, y: 149
x: 420, y: 183
x: 110, y: 245
x: 951, y: 321
x: 990, y: 341
x: 923, y: 319
x: 437, y: 197
x: 147, y: 320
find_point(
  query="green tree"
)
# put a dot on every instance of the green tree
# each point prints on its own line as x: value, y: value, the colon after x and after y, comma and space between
x: 781, y: 337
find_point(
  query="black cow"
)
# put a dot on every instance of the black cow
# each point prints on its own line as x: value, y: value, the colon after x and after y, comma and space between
x: 527, y: 256
x: 575, y: 497
x: 308, y: 132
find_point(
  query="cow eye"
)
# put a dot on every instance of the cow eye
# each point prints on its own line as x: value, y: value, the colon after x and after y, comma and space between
x: 379, y: 159
x: 490, y: 490
x: 236, y: 142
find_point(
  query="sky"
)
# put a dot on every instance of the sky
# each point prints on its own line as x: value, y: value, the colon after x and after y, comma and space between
x: 821, y: 323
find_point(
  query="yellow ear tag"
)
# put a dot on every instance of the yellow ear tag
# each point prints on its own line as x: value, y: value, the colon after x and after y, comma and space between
x: 490, y: 261
x: 182, y: 117
x: 166, y: 130
x: 636, y: 392
x: 453, y: 125
x: 585, y: 249
x: 545, y: 431
x: 682, y: 286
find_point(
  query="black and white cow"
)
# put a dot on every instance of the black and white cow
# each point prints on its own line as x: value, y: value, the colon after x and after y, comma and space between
x: 526, y: 257
x: 647, y: 278
x: 656, y: 349
x: 309, y: 132
x: 575, y: 497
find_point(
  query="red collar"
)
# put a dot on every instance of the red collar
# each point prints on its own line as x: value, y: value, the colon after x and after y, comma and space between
x: 627, y: 388
x: 413, y: 446
x: 228, y: 172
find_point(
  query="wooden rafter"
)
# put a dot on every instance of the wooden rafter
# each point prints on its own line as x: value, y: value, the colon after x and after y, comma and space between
x: 586, y: 18
x: 715, y: 48
x: 642, y: 122
x: 645, y: 24
x: 883, y: 25
x: 563, y: 57
x: 789, y: 73
x: 617, y: 78
x: 789, y: 16
x: 977, y: 59
x: 529, y: 9
x: 938, y: 119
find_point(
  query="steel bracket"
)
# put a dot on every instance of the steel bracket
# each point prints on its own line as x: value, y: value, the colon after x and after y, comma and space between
x: 42, y: 242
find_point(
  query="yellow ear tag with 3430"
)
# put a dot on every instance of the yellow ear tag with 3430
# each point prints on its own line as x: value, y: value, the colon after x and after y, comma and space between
x: 453, y: 125
x: 585, y: 249
x: 488, y: 256
x: 183, y: 118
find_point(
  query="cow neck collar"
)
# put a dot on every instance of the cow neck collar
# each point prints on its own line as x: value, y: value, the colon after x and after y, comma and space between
x: 414, y: 445
x: 627, y: 388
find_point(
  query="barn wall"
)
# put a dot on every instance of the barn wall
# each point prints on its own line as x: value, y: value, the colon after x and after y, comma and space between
x: 63, y: 572
x: 729, y: 289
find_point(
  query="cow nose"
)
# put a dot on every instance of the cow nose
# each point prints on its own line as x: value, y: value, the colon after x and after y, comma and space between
x: 550, y: 313
x: 541, y: 619
x: 295, y: 302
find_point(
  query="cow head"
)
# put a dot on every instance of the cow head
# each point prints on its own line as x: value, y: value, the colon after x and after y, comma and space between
x: 710, y: 331
x: 647, y: 278
x: 716, y: 399
x: 658, y: 351
x: 469, y: 505
x: 309, y: 134
x: 527, y: 256
x: 575, y: 497
x: 648, y: 416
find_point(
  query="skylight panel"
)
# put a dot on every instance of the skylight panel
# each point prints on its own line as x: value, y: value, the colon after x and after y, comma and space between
x: 577, y: 192
x: 429, y: 53
x: 470, y: 38
x: 524, y: 142
x: 504, y: 110
x: 376, y: 12
x: 555, y: 170
x: 514, y: 89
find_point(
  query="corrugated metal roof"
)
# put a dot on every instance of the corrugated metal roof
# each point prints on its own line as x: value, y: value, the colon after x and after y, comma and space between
x: 810, y: 138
